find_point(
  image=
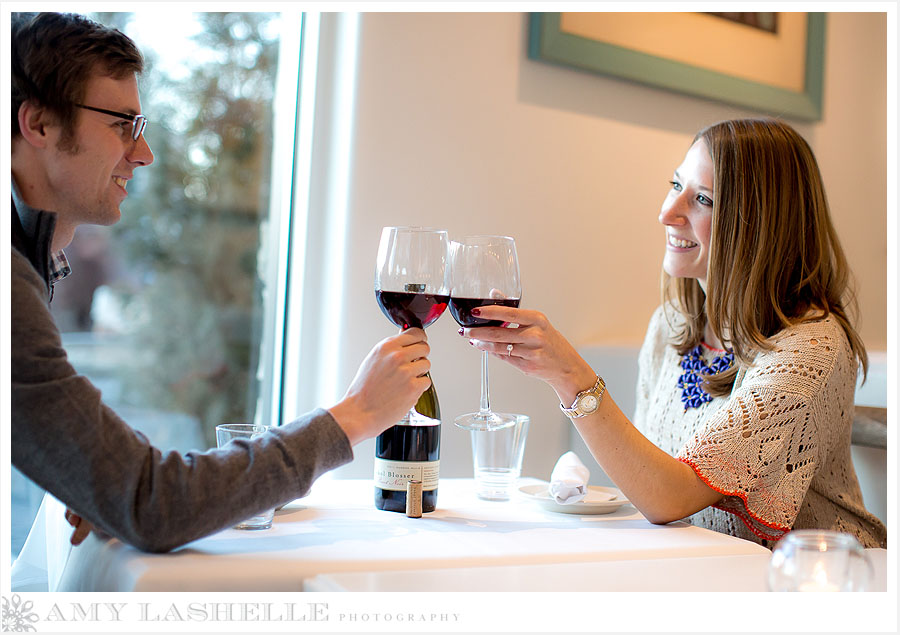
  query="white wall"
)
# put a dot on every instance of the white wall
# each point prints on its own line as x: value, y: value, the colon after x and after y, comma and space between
x: 455, y: 127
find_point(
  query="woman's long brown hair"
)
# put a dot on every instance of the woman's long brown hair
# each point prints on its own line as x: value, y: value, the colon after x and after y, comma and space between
x: 774, y: 254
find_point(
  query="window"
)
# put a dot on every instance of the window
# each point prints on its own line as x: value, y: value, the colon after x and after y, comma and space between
x: 175, y: 311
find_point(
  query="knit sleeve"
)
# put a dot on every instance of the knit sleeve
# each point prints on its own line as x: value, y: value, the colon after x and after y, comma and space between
x: 764, y: 446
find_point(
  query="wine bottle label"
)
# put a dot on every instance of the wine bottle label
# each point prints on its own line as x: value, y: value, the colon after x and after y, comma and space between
x: 394, y: 475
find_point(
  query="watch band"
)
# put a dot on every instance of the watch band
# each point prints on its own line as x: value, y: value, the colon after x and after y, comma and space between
x: 594, y: 395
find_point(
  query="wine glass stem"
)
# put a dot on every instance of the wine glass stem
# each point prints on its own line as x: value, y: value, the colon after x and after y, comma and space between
x: 485, y: 392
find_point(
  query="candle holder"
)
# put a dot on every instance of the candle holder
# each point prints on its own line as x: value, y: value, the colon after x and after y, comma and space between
x: 819, y: 561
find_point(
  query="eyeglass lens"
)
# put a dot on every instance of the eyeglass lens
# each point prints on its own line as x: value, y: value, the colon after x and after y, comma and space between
x: 138, y: 125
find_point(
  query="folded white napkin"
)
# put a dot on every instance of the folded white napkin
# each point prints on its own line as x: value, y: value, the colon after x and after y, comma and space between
x: 568, y: 481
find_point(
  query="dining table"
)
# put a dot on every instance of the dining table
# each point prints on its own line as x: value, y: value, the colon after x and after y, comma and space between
x: 512, y: 566
x: 336, y: 539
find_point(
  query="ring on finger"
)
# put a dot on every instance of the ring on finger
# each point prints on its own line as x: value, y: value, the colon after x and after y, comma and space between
x: 509, y: 348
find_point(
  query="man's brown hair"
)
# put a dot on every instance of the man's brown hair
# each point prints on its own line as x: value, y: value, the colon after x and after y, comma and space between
x: 55, y: 54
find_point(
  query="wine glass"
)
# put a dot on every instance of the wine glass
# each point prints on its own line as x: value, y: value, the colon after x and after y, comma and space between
x: 411, y: 281
x: 484, y: 270
x: 819, y: 560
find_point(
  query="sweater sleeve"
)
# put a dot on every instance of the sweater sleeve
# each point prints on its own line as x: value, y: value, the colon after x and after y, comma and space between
x: 70, y: 443
x: 763, y: 448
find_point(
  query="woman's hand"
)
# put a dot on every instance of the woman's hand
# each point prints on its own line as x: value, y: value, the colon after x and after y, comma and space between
x: 538, y: 349
x: 633, y: 463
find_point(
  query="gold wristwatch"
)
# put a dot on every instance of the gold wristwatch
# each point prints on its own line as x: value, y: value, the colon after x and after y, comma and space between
x: 587, y: 401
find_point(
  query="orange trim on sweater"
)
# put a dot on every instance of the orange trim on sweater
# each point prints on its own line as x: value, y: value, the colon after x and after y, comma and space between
x: 743, y: 497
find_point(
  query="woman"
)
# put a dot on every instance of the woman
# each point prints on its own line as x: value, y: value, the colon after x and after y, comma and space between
x: 747, y: 373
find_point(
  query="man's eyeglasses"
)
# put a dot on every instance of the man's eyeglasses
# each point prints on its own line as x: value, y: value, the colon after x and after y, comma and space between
x: 138, y: 122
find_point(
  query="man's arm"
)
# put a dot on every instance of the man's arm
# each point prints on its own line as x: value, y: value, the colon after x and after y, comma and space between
x: 68, y: 442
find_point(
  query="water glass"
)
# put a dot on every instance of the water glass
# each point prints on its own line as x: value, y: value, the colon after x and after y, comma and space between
x: 819, y: 560
x: 225, y: 434
x: 497, y: 456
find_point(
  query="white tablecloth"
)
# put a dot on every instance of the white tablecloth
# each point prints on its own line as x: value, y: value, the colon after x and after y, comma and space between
x: 40, y: 563
x: 337, y: 529
x: 737, y: 573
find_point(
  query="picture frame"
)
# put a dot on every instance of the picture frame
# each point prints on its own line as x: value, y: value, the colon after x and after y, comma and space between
x: 550, y: 41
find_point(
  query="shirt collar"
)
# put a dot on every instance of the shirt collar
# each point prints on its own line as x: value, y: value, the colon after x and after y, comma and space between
x: 59, y: 266
x: 28, y: 216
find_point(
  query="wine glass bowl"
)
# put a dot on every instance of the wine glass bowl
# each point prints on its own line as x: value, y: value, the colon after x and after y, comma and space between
x: 411, y: 280
x: 819, y: 560
x: 411, y: 307
x: 484, y: 271
x: 461, y: 310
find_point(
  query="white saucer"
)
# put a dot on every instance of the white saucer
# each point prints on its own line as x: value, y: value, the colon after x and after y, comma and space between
x: 597, y: 500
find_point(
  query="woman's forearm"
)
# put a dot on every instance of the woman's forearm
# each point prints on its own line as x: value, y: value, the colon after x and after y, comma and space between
x: 662, y: 488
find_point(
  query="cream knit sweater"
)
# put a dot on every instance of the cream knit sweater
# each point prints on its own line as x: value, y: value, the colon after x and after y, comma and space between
x: 778, y: 447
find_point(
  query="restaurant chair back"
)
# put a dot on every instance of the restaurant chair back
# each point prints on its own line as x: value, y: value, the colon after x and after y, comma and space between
x: 868, y: 448
x: 869, y: 427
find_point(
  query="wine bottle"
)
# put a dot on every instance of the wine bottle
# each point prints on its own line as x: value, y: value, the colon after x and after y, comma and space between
x: 410, y: 452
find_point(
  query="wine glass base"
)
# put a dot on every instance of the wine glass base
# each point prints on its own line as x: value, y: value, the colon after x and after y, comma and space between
x: 485, y: 423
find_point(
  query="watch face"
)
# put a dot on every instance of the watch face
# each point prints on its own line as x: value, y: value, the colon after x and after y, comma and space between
x: 588, y: 404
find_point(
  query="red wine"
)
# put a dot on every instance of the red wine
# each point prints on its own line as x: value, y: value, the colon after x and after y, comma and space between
x: 461, y: 310
x: 411, y: 310
x: 405, y: 452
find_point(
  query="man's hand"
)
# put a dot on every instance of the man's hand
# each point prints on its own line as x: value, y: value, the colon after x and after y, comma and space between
x: 82, y: 527
x: 388, y: 383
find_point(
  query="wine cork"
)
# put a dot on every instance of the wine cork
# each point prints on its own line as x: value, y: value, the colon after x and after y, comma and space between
x: 414, y: 499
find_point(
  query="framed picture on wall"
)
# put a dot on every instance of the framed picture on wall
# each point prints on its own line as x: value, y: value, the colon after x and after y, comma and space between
x: 769, y: 62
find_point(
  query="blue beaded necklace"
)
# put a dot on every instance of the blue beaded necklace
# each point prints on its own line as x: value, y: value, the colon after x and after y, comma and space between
x: 691, y: 380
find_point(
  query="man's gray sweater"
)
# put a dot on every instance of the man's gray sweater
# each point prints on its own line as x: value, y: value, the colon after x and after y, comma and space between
x: 70, y: 443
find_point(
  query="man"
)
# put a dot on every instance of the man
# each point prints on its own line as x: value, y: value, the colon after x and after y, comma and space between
x: 76, y: 142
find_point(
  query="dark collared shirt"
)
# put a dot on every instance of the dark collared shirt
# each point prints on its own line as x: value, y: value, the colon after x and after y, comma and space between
x: 59, y: 265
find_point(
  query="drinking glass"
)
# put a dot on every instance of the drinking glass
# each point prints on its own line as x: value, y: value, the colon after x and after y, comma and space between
x: 819, y: 560
x: 497, y: 458
x: 484, y: 270
x: 225, y: 434
x: 411, y: 281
